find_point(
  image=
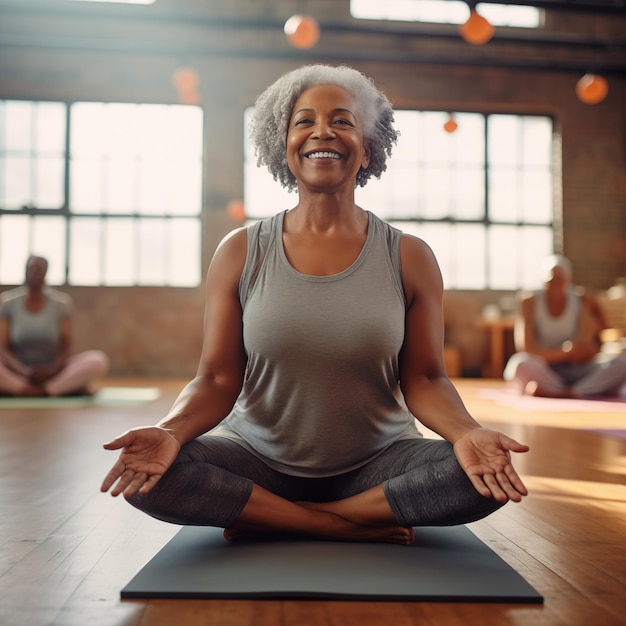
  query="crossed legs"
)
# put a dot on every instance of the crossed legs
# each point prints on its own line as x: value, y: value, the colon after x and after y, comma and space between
x: 216, y: 482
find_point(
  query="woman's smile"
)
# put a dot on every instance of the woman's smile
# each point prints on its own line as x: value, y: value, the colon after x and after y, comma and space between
x: 326, y: 131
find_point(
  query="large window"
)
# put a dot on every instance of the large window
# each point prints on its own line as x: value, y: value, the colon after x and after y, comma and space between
x: 446, y: 12
x: 481, y: 196
x: 110, y: 193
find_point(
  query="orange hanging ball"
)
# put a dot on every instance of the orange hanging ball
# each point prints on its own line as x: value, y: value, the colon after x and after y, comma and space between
x: 236, y: 210
x: 185, y: 79
x: 592, y: 89
x: 302, y: 31
x: 450, y: 126
x: 477, y: 29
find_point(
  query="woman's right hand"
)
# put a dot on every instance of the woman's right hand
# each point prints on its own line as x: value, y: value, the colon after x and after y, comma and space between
x: 147, y: 453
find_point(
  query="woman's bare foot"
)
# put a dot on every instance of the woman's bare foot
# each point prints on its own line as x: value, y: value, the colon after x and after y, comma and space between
x: 32, y: 391
x: 344, y: 530
x: 361, y: 518
x: 533, y: 389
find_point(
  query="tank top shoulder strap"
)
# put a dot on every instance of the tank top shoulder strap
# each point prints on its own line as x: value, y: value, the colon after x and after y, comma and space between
x: 261, y: 238
x: 391, y: 237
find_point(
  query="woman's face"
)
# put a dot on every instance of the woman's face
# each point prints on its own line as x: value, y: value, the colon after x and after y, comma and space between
x: 36, y: 269
x: 558, y: 280
x: 325, y: 142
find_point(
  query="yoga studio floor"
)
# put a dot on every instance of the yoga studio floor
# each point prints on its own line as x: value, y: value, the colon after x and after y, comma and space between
x: 67, y: 550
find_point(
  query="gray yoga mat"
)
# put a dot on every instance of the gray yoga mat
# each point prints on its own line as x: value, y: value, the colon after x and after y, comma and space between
x: 443, y: 565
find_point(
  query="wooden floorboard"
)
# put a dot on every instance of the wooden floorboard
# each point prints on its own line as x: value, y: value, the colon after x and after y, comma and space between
x: 66, y: 550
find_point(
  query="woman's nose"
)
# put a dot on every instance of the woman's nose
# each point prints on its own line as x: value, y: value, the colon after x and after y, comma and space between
x: 324, y: 131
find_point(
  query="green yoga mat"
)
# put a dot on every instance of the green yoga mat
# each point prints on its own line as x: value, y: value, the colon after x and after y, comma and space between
x: 107, y: 396
x: 443, y: 565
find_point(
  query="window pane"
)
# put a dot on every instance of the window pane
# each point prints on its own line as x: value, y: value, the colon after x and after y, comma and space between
x: 23, y: 235
x: 504, y: 139
x: 504, y: 256
x: 19, y: 126
x: 17, y: 182
x: 445, y: 12
x: 119, y: 251
x: 183, y: 133
x: 537, y: 141
x: 536, y: 196
x: 86, y: 186
x: 405, y: 152
x: 14, y: 248
x: 503, y: 195
x: 50, y: 128
x: 435, y: 184
x: 49, y: 192
x: 185, y: 188
x: 153, y: 187
x: 516, y: 255
x: 184, y: 262
x: 48, y: 240
x: 468, y: 140
x: 136, y: 158
x: 86, y: 241
x: 469, y: 270
x: 263, y: 196
x: 90, y: 129
x: 120, y: 185
x: 536, y: 244
x: 468, y: 194
x: 152, y: 258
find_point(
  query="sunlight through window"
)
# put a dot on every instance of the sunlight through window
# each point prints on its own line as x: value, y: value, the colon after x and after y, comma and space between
x: 445, y: 12
x: 132, y: 215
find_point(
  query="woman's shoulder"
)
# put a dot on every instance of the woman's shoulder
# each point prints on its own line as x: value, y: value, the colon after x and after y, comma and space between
x: 232, y: 249
x: 416, y: 247
x: 12, y: 295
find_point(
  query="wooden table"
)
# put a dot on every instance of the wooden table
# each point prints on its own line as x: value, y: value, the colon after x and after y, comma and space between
x: 497, y: 327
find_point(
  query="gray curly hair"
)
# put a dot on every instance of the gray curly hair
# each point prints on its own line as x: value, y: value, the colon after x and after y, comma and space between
x: 272, y: 112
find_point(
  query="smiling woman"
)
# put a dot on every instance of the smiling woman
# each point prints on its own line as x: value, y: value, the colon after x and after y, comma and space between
x: 323, y: 342
x: 325, y: 139
x: 273, y: 109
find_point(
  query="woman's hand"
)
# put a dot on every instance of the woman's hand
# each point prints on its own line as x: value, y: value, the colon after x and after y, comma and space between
x: 146, y: 455
x: 485, y: 456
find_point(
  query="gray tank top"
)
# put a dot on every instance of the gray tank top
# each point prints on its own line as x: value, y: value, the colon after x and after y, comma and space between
x: 321, y: 394
x: 552, y: 331
x: 34, y: 337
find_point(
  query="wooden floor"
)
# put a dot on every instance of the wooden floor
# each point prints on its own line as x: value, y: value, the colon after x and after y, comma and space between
x: 66, y: 550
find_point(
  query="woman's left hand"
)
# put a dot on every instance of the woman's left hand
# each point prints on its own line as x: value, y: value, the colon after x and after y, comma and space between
x: 485, y: 457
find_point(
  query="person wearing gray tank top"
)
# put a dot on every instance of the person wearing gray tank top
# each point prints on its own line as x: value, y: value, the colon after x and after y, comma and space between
x: 35, y: 341
x: 322, y: 352
x: 557, y: 336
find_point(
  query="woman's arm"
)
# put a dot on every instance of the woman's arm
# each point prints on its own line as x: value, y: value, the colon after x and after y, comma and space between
x: 147, y: 452
x: 429, y: 394
x: 483, y: 454
x: 6, y: 355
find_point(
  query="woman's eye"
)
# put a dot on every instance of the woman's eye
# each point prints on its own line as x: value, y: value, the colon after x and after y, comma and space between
x: 346, y: 122
x: 304, y: 120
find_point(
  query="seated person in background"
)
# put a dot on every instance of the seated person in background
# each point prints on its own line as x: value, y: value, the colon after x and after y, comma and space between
x: 557, y: 335
x: 35, y: 339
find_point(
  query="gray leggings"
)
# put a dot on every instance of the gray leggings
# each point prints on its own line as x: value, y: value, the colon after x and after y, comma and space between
x: 212, y: 478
